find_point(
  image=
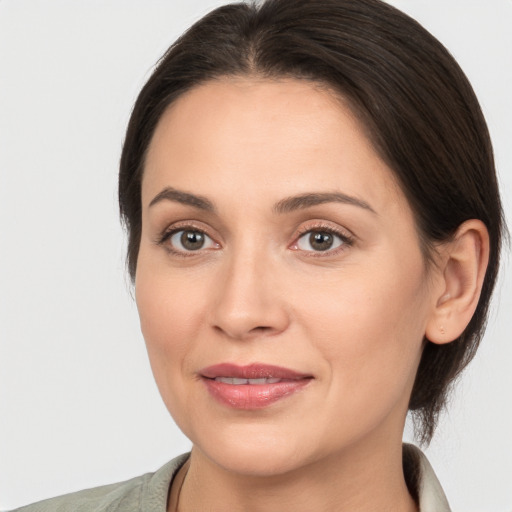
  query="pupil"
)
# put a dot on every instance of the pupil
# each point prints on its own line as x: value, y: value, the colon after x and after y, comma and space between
x: 321, y: 241
x: 192, y: 240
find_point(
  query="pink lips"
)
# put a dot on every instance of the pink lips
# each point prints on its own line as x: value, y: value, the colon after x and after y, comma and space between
x: 263, y: 386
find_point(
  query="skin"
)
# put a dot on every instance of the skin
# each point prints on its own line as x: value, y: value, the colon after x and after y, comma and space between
x: 353, y: 317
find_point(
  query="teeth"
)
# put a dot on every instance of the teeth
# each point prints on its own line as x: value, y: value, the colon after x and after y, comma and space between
x: 236, y: 381
x: 258, y: 381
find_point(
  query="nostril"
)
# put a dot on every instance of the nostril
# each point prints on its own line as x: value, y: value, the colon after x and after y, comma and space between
x: 261, y: 329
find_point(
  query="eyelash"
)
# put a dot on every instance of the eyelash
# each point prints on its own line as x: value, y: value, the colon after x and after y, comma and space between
x: 346, y: 239
x: 170, y: 232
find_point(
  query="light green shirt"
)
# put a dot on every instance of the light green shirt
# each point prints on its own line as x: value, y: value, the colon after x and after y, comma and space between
x: 148, y: 493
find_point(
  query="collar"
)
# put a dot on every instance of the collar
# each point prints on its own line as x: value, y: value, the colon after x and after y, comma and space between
x: 422, y: 481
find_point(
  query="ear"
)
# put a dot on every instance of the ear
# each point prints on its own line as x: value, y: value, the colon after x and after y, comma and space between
x: 462, y: 265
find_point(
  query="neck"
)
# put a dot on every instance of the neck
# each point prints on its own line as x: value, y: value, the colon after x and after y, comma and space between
x: 365, y: 478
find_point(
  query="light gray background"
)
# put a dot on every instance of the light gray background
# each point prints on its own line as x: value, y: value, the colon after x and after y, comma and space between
x: 78, y: 406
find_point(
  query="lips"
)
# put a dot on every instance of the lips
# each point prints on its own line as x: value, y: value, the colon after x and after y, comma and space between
x: 254, y: 382
x: 253, y: 386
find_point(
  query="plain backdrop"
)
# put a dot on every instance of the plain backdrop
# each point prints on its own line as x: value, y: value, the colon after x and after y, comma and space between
x: 78, y: 406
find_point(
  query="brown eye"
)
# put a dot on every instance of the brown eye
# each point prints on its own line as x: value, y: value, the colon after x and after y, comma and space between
x: 319, y: 241
x: 192, y: 240
x: 188, y: 240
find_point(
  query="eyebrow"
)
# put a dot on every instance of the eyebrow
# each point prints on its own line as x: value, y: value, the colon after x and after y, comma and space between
x: 304, y: 201
x: 171, y: 194
x: 287, y: 205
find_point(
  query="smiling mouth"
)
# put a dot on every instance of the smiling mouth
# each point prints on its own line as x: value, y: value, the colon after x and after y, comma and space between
x: 254, y: 386
x: 254, y: 382
x: 250, y: 373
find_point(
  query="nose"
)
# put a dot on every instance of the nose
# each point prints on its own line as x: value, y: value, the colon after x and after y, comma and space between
x: 250, y: 301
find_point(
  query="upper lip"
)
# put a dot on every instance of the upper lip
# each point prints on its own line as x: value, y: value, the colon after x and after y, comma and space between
x: 251, y: 371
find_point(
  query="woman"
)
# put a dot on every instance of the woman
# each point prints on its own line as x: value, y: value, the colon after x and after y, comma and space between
x: 314, y: 234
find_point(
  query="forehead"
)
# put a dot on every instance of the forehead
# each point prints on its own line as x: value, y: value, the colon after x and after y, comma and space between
x: 260, y: 136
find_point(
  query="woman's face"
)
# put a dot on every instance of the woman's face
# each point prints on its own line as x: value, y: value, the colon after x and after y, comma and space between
x: 274, y: 236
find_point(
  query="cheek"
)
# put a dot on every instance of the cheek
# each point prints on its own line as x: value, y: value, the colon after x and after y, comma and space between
x: 170, y: 313
x: 163, y: 319
x: 169, y: 300
x: 370, y: 331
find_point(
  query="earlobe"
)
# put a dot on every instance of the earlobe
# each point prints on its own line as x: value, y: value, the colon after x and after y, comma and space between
x: 462, y: 270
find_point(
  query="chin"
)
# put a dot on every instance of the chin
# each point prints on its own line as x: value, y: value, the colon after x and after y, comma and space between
x: 251, y: 460
x: 255, y: 450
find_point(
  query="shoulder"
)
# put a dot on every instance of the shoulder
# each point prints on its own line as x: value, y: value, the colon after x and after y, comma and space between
x: 107, y: 497
x: 145, y: 493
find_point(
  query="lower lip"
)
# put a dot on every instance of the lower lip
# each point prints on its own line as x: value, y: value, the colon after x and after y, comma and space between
x: 253, y: 396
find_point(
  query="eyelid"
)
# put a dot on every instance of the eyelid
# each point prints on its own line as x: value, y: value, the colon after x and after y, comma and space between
x: 347, y: 237
x: 176, y: 227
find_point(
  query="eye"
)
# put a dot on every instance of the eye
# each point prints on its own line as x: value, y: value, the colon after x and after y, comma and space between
x: 189, y: 240
x: 321, y: 240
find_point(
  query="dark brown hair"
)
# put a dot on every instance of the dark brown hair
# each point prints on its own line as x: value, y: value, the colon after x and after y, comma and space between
x: 412, y: 97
